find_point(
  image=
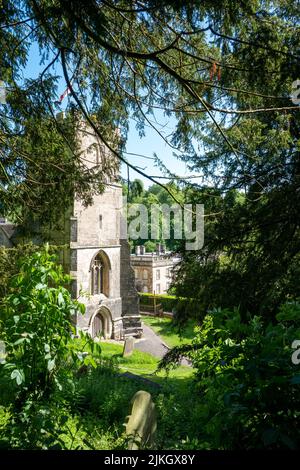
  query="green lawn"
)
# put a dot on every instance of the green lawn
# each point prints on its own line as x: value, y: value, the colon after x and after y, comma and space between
x: 169, y: 334
x: 141, y: 363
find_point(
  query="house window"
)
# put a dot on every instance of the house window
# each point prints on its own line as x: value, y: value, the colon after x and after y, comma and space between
x: 100, y: 221
x: 100, y: 275
x: 157, y: 288
x: 157, y: 274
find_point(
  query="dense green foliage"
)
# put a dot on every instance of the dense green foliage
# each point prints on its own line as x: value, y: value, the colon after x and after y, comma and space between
x: 167, y: 302
x: 170, y: 303
x: 247, y: 383
x: 251, y: 254
x: 62, y: 393
x: 35, y: 323
x: 157, y: 196
x: 10, y: 262
x: 35, y: 328
x: 223, y: 71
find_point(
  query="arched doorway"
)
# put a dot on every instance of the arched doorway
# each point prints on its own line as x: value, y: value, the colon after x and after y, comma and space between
x: 101, y: 324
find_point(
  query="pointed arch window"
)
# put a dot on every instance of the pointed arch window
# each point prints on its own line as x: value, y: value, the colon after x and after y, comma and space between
x: 100, y: 275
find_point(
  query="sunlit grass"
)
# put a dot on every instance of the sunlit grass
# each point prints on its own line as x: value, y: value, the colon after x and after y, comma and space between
x: 140, y: 363
x: 165, y: 328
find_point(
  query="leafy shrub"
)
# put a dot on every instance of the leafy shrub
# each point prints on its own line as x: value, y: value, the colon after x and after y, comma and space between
x: 168, y: 302
x: 246, y: 380
x: 5, y: 417
x: 10, y: 262
x: 56, y: 397
x: 36, y: 323
x: 36, y: 329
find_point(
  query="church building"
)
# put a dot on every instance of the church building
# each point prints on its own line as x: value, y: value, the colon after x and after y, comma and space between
x: 96, y: 255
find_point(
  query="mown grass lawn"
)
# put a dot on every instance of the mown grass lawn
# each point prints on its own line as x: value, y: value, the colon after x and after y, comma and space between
x: 141, y: 363
x: 165, y: 328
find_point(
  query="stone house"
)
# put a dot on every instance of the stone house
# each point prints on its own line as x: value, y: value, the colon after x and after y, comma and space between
x: 153, y: 271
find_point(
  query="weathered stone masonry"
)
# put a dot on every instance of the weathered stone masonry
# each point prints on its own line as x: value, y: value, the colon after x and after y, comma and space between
x: 100, y: 260
x: 94, y: 254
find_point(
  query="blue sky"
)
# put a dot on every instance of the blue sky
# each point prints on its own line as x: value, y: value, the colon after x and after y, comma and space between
x: 148, y: 145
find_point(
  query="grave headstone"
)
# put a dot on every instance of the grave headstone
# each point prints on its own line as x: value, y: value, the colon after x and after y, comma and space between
x: 142, y: 422
x: 128, y: 346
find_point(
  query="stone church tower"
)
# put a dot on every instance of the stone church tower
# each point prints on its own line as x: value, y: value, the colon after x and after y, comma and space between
x: 99, y: 259
x: 95, y: 255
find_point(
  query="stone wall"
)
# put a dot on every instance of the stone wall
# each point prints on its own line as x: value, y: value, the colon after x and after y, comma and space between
x: 130, y: 299
x: 97, y: 228
x: 84, y: 231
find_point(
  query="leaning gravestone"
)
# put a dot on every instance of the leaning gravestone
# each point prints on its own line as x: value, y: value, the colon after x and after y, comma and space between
x: 128, y: 346
x: 142, y: 423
